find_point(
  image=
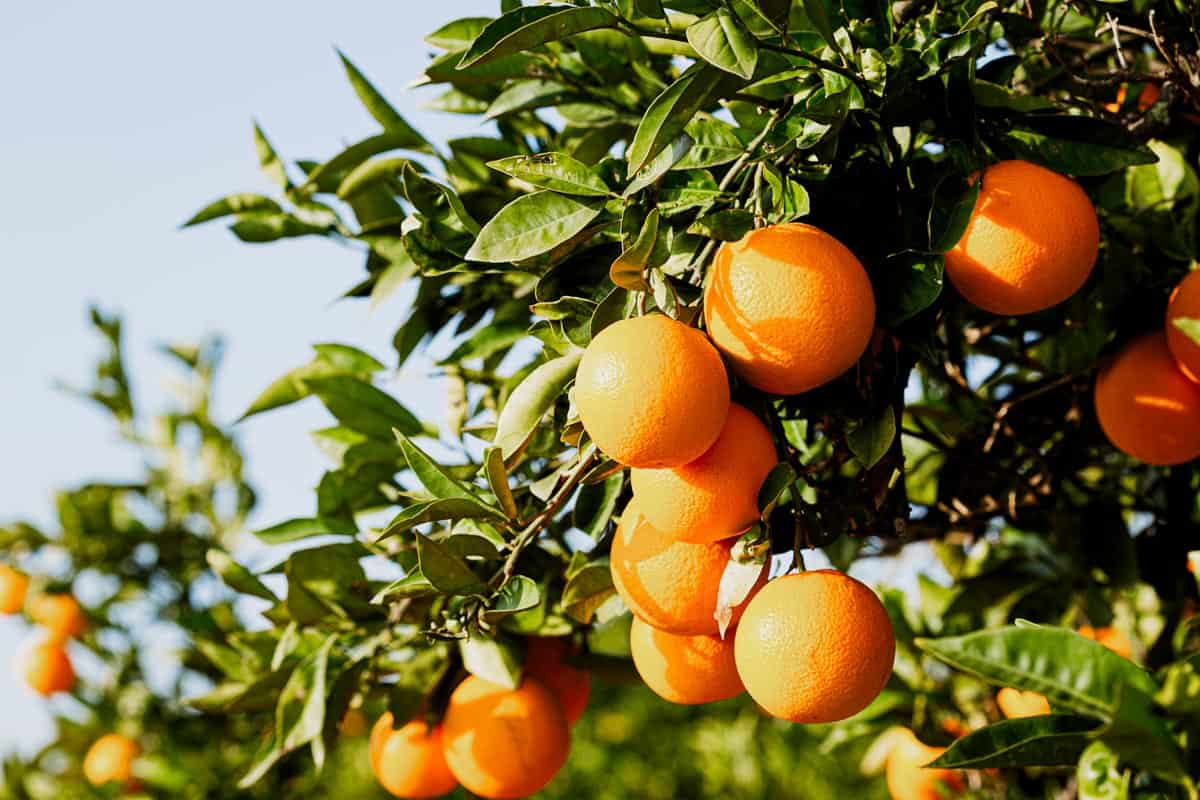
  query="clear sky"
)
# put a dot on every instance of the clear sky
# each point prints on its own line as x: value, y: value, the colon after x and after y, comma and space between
x: 119, y: 121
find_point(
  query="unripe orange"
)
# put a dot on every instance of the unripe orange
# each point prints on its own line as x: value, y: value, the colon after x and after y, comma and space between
x: 651, y: 392
x: 571, y: 686
x: 501, y: 742
x: 110, y: 760
x: 790, y: 306
x: 1031, y: 241
x: 671, y: 585
x: 59, y: 614
x: 1015, y: 704
x: 408, y: 762
x: 1147, y: 408
x: 1185, y: 303
x: 684, y: 669
x: 13, y: 586
x: 46, y: 667
x: 715, y: 496
x: 908, y: 779
x: 815, y: 647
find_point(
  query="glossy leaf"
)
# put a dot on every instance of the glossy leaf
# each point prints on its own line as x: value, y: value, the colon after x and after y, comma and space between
x: 558, y: 172
x: 532, y: 225
x: 670, y: 112
x: 301, y: 528
x: 628, y: 271
x: 446, y: 571
x: 1043, y: 741
x: 871, y: 440
x: 492, y: 660
x: 519, y: 594
x: 497, y: 478
x: 722, y: 40
x: 380, y: 108
x: 531, y: 26
x: 530, y: 401
x: 236, y: 576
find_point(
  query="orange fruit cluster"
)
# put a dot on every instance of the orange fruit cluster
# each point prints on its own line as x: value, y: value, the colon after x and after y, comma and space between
x: 43, y: 661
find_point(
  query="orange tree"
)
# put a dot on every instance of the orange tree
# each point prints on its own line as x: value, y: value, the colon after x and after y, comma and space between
x: 933, y: 245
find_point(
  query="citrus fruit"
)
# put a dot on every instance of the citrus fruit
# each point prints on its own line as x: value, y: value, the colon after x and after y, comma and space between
x: 1015, y: 704
x: 110, y: 760
x: 671, y: 585
x: 503, y: 742
x: 814, y: 647
x: 571, y: 685
x: 13, y: 586
x: 790, y: 307
x: 59, y: 614
x: 651, y: 392
x: 715, y: 496
x: 684, y: 669
x: 1185, y: 304
x: 907, y: 778
x: 1147, y: 408
x: 1031, y: 241
x: 408, y: 762
x: 1111, y: 638
x: 46, y: 667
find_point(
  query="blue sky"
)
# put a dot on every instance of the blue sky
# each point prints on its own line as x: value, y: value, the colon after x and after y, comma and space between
x: 120, y: 121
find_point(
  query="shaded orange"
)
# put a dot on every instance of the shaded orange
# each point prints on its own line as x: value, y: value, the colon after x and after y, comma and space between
x: 1185, y: 303
x: 1015, y: 704
x: 790, y: 307
x: 354, y: 723
x: 715, y: 496
x: 652, y: 392
x: 1111, y: 638
x: 502, y: 742
x: 907, y: 778
x: 668, y: 584
x: 1147, y: 408
x: 110, y: 760
x: 1031, y: 241
x: 571, y: 686
x: 1148, y: 97
x: 59, y: 614
x: 815, y: 647
x: 46, y: 667
x: 408, y: 762
x: 13, y: 586
x: 684, y: 669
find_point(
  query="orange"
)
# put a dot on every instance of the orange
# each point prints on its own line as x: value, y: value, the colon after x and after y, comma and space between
x: 503, y: 742
x: 815, y: 647
x: 790, y: 306
x: 1015, y: 704
x: 13, y: 586
x: 652, y: 392
x: 715, y: 496
x: 1111, y: 638
x: 907, y: 778
x: 670, y: 585
x: 571, y: 685
x: 1148, y: 97
x: 1031, y: 241
x: 46, y: 667
x: 1185, y: 303
x: 408, y: 762
x: 1147, y: 408
x: 110, y: 760
x: 59, y: 614
x: 684, y: 669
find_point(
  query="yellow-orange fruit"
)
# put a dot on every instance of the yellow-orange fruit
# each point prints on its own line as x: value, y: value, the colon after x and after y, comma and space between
x: 1015, y: 704
x: 684, y: 669
x: 46, y: 667
x: 907, y: 778
x: 502, y: 742
x: 1148, y: 408
x: 668, y: 584
x: 110, y: 760
x: 408, y: 762
x: 790, y: 306
x: 1031, y: 241
x: 13, y: 586
x: 652, y: 392
x: 1111, y: 638
x: 570, y: 685
x: 1148, y: 97
x: 715, y: 496
x: 1185, y: 304
x: 59, y: 614
x: 815, y: 647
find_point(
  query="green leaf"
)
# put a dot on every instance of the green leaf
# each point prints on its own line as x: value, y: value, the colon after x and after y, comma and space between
x: 722, y: 40
x: 436, y: 480
x: 300, y: 715
x: 1100, y: 776
x: 531, y: 225
x: 459, y: 34
x: 1043, y: 741
x: 233, y: 204
x: 329, y: 175
x: 871, y: 440
x: 446, y: 571
x: 416, y: 679
x: 714, y: 142
x: 236, y: 576
x: 259, y: 227
x: 530, y: 401
x: 658, y: 166
x: 414, y: 584
x: 369, y: 174
x: 778, y: 482
x: 817, y: 12
x: 447, y: 508
x: 789, y: 198
x: 728, y: 225
x: 381, y: 109
x: 268, y: 160
x: 628, y: 270
x: 596, y: 503
x: 1074, y: 156
x: 671, y: 112
x: 911, y: 283
x: 529, y: 27
x: 497, y: 478
x: 519, y: 594
x: 362, y: 407
x: 558, y: 172
x: 1139, y: 736
x: 494, y: 661
x: 956, y: 225
x: 302, y: 528
x: 586, y: 591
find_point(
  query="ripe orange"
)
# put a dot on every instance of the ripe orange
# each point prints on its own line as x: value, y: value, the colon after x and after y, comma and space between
x: 502, y: 742
x: 1031, y: 242
x: 815, y: 647
x: 110, y: 760
x: 13, y: 586
x: 46, y: 667
x: 1185, y: 302
x: 790, y: 306
x: 570, y: 685
x: 670, y: 585
x: 1015, y: 704
x: 1111, y: 638
x: 59, y: 614
x: 907, y: 779
x: 715, y: 496
x: 1148, y: 408
x: 684, y: 669
x: 408, y: 762
x: 652, y: 392
x: 1148, y: 97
